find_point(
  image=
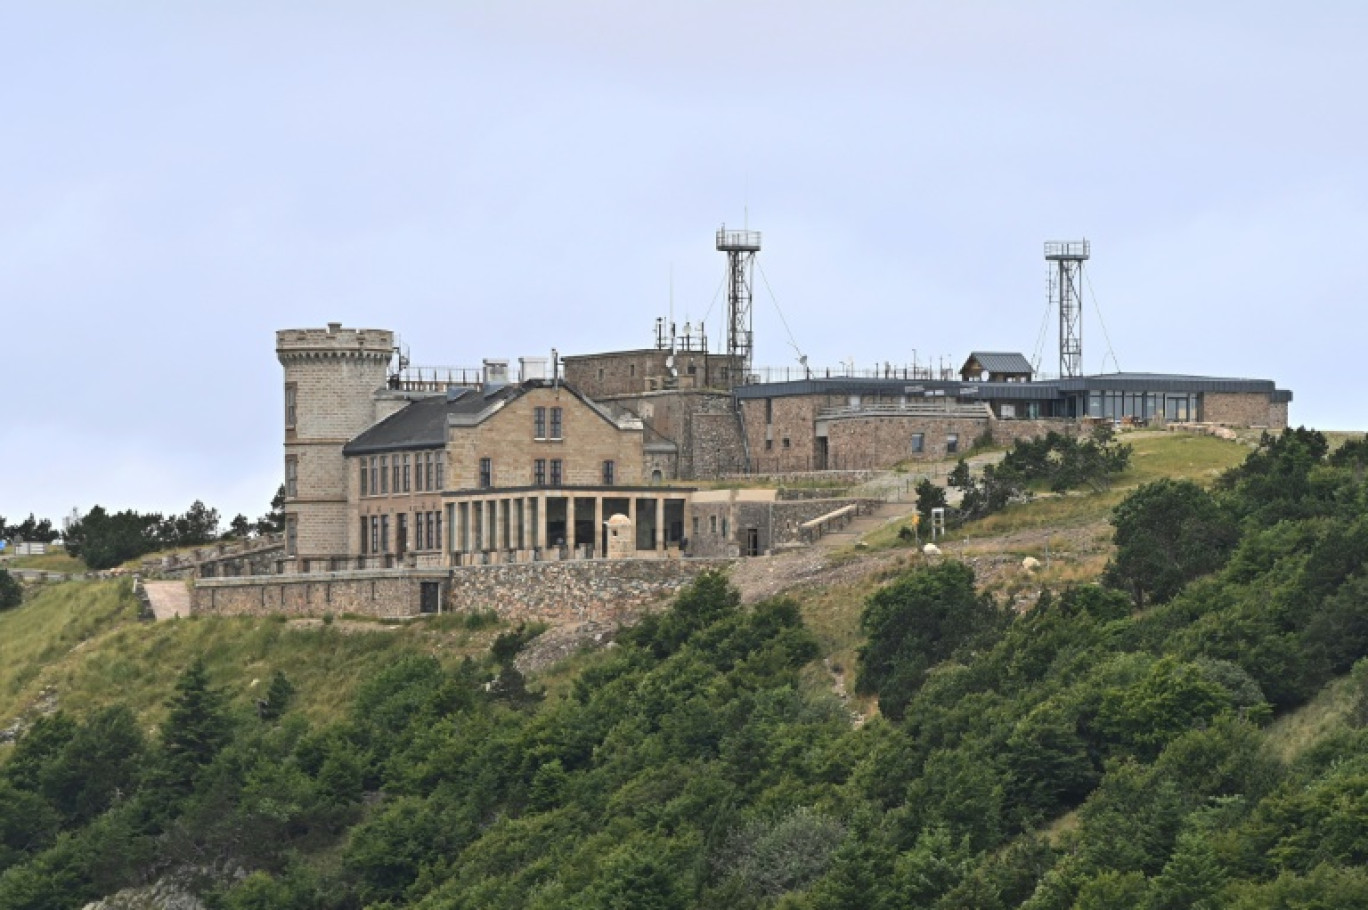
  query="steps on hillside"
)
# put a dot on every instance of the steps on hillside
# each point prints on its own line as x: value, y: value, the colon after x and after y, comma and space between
x: 865, y: 523
x: 168, y: 599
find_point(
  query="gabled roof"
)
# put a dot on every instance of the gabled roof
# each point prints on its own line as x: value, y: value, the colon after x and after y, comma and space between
x: 423, y: 423
x: 998, y: 362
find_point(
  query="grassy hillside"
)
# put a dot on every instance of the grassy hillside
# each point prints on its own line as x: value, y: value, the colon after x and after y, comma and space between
x: 83, y: 643
x: 1200, y: 744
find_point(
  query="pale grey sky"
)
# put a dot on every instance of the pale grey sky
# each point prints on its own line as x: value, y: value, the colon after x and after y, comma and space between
x: 179, y: 180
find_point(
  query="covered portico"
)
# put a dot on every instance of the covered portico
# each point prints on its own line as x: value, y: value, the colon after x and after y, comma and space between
x: 532, y: 524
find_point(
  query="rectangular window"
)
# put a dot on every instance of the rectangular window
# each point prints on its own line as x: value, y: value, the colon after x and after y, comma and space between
x: 365, y: 535
x: 365, y: 477
x: 394, y: 484
x: 438, y: 544
x: 724, y: 526
x: 290, y: 410
x: 291, y: 536
x: 486, y: 473
x: 555, y: 472
x: 401, y: 533
x: 384, y: 474
x: 439, y: 463
x: 787, y: 442
x: 427, y: 472
x: 769, y: 445
x: 291, y: 476
x: 918, y: 442
x: 406, y: 473
x: 695, y: 527
x: 418, y: 472
x: 375, y: 478
x: 555, y: 423
x: 384, y: 533
x: 539, y: 472
x: 951, y: 443
x: 769, y: 410
x: 375, y: 534
x: 539, y: 423
x: 608, y: 470
x: 712, y: 525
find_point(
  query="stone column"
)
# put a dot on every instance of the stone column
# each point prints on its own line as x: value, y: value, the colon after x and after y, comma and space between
x: 598, y: 526
x: 570, y: 524
x: 660, y: 525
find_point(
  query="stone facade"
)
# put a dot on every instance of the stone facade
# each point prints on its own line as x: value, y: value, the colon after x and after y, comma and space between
x: 734, y: 523
x: 637, y: 372
x: 508, y: 440
x: 702, y: 428
x: 1244, y: 410
x: 331, y: 377
x: 781, y: 433
x: 598, y: 590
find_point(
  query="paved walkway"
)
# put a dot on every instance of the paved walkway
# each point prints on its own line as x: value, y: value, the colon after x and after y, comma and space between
x: 168, y: 599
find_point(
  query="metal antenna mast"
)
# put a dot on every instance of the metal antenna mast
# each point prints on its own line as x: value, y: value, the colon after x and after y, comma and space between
x: 740, y: 247
x: 1066, y: 292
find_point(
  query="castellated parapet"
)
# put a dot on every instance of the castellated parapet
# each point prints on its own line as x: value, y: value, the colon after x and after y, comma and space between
x: 331, y: 377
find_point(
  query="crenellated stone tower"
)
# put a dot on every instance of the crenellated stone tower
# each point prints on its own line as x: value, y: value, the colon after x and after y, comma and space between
x: 331, y: 377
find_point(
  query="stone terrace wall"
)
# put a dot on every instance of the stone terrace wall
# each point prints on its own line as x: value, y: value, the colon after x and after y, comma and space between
x: 603, y: 589
x: 554, y: 591
x: 380, y: 593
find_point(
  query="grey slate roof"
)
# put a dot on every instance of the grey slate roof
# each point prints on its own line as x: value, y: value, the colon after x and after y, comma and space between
x: 997, y: 362
x: 422, y: 424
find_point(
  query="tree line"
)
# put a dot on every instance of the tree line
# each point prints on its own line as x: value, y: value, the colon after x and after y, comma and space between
x: 104, y: 539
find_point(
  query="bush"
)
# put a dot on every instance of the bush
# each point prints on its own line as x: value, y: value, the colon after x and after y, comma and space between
x: 11, y: 592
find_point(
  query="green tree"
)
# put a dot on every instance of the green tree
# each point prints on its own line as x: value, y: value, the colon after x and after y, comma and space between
x: 196, y: 729
x: 915, y: 623
x: 1167, y: 533
x: 929, y: 496
x: 273, y: 522
x: 11, y: 591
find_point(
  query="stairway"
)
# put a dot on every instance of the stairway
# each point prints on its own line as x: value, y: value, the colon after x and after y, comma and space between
x: 168, y: 599
x: 864, y: 524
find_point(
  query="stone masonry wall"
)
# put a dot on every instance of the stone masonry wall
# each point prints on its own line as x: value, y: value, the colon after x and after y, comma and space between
x: 581, y: 590
x: 507, y: 439
x: 381, y: 594
x: 1243, y: 410
x: 553, y: 591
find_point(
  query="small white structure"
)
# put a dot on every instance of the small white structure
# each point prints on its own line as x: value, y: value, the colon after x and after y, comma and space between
x: 931, y: 550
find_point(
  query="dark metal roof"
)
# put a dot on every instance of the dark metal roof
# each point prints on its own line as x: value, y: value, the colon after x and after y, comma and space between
x: 1162, y: 382
x: 1039, y: 390
x: 423, y: 423
x: 996, y: 362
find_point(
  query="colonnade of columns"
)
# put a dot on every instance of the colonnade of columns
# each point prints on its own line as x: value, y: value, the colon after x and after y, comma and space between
x: 552, y: 524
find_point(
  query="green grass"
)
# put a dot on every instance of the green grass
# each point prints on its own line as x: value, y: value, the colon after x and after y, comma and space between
x: 84, y: 640
x: 1326, y: 714
x: 1157, y: 455
x: 56, y: 561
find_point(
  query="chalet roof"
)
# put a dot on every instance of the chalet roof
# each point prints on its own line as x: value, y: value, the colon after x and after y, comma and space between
x: 998, y: 362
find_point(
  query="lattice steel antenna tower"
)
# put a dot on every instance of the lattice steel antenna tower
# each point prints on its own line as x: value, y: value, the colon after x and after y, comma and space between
x: 1066, y: 293
x: 740, y: 247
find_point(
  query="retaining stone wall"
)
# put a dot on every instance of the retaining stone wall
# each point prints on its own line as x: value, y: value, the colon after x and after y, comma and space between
x: 600, y: 590
x: 590, y: 589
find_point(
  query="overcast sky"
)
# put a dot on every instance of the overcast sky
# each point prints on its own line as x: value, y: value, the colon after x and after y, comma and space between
x: 179, y: 180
